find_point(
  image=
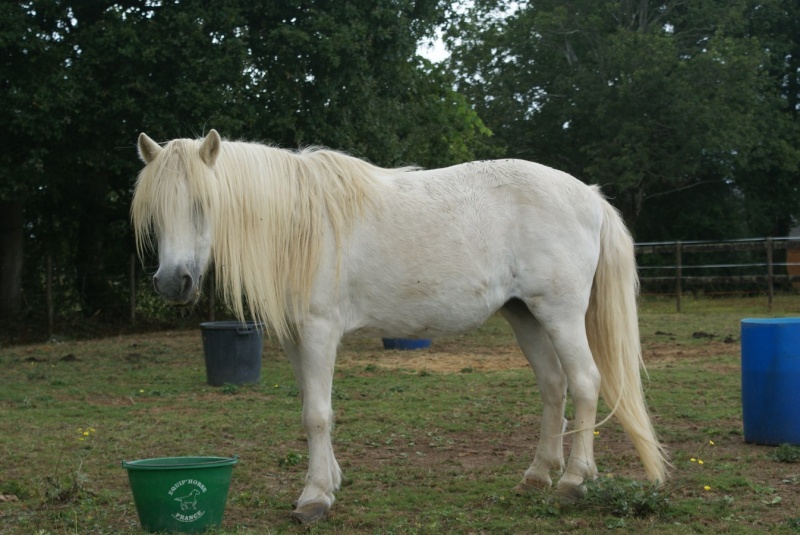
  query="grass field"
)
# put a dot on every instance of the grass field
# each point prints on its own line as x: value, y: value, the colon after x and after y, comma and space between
x: 430, y: 441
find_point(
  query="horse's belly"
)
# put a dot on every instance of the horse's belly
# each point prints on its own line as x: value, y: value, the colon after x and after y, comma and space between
x: 415, y: 328
x: 421, y: 316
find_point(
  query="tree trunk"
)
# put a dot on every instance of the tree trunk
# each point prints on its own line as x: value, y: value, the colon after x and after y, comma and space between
x: 11, y: 254
x: 92, y: 280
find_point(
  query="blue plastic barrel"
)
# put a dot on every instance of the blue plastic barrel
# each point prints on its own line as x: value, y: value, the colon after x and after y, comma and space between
x: 771, y: 380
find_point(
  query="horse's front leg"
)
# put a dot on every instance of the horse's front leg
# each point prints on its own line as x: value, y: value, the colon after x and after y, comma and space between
x: 313, y: 355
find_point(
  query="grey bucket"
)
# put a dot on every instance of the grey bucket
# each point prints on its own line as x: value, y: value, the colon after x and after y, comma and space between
x: 232, y: 352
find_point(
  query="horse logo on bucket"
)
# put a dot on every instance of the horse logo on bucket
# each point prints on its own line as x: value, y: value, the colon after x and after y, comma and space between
x: 186, y: 492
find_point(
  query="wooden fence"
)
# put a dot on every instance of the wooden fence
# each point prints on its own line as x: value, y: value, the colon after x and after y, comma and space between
x: 763, y: 271
x: 668, y: 267
x: 134, y: 277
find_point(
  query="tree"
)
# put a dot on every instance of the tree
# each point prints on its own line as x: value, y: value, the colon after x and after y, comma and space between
x: 31, y: 76
x: 167, y: 69
x: 770, y: 182
x: 82, y: 79
x: 346, y: 75
x: 659, y: 102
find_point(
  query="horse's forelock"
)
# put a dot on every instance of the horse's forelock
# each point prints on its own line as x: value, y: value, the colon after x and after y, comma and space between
x: 170, y: 184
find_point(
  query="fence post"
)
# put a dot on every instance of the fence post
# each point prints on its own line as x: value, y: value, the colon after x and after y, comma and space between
x: 678, y: 286
x: 133, y: 288
x: 770, y: 277
x: 49, y: 295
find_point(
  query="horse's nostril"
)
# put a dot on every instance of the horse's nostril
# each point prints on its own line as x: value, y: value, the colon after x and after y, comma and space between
x: 155, y: 282
x: 186, y: 284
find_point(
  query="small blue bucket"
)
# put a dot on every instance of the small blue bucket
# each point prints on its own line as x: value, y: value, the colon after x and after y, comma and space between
x: 406, y: 343
x: 771, y: 380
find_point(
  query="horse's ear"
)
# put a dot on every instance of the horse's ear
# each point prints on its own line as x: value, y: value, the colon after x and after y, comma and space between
x: 209, y: 150
x: 148, y: 149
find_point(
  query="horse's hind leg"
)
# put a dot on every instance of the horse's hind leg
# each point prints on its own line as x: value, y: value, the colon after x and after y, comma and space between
x: 313, y: 361
x: 536, y: 346
x: 563, y: 317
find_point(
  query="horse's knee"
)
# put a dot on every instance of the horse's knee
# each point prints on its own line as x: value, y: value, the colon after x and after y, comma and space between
x: 317, y: 420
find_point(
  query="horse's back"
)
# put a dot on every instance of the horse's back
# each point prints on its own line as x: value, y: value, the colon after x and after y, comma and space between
x: 447, y: 248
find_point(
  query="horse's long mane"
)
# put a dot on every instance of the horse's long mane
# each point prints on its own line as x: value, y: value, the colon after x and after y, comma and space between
x: 268, y: 209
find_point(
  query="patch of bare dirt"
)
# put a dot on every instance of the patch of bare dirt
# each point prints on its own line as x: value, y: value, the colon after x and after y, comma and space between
x: 454, y: 357
x: 671, y: 352
x: 440, y: 359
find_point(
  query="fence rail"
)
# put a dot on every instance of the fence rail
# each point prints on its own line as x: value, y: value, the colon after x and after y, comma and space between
x: 130, y: 278
x: 665, y: 268
x: 766, y: 278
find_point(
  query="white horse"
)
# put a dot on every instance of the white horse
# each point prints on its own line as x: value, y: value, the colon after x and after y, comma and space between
x: 317, y: 244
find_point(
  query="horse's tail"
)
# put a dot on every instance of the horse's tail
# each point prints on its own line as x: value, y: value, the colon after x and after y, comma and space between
x: 613, y: 330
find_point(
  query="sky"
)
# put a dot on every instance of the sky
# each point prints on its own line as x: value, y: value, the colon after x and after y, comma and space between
x: 434, y: 50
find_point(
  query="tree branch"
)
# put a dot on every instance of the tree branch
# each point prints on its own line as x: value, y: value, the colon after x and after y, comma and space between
x: 676, y: 190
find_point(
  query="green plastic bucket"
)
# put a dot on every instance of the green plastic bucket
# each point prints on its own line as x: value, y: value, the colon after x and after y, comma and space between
x: 180, y: 494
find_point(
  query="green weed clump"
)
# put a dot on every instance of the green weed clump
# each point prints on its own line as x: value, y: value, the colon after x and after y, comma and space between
x: 292, y: 458
x: 786, y: 453
x: 626, y: 498
x: 64, y: 488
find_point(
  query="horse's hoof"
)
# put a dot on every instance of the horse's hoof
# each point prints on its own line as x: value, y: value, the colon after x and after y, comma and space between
x: 570, y: 493
x: 531, y: 484
x: 310, y: 513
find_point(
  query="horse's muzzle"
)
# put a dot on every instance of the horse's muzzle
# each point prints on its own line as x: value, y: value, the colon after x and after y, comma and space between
x: 178, y: 287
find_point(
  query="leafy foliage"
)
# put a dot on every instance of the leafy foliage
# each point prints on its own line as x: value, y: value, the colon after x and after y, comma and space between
x: 662, y: 103
x: 627, y: 498
x: 81, y: 79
